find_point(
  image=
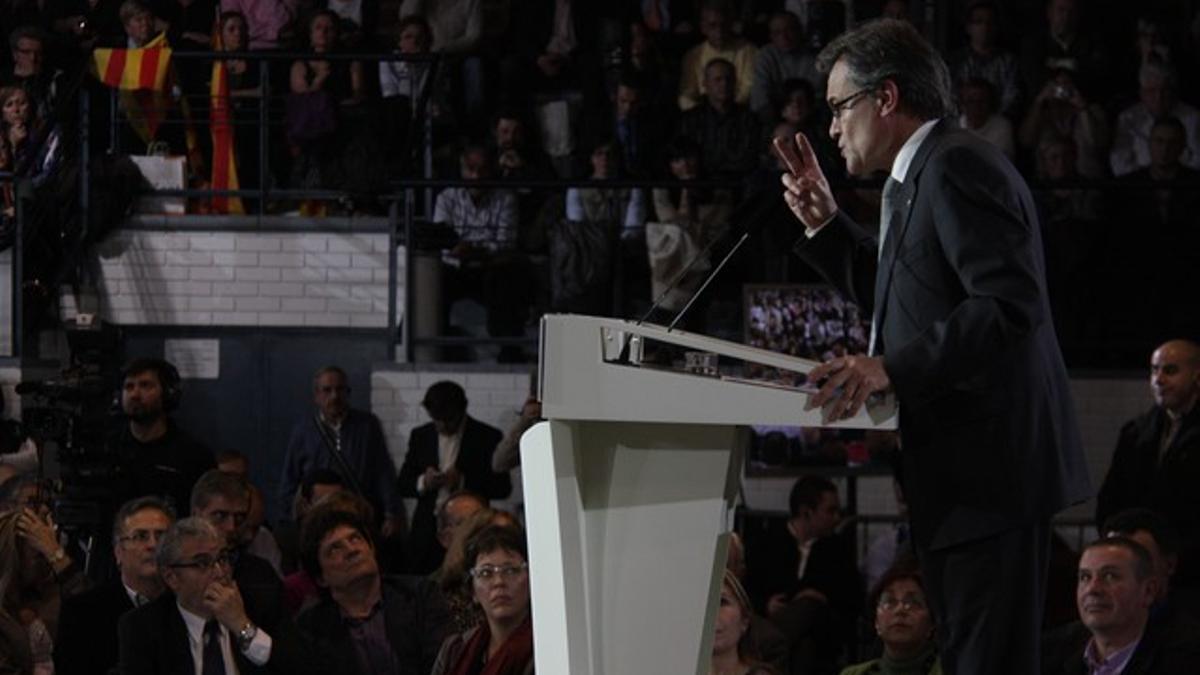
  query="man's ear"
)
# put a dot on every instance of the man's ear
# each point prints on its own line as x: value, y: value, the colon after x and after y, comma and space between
x: 889, y: 98
x: 170, y: 578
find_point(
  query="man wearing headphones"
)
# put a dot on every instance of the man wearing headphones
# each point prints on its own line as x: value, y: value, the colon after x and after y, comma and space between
x: 158, y: 457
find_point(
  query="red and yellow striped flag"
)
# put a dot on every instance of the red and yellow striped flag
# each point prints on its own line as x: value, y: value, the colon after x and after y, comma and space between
x: 134, y: 69
x: 224, y: 159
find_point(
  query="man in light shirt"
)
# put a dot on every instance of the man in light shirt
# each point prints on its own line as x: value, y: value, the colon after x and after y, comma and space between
x: 450, y: 453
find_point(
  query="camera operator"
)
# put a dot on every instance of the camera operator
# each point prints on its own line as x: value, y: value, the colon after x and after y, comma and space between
x: 159, y: 457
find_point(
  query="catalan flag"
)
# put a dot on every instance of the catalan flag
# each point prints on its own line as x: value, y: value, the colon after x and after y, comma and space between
x: 135, y: 69
x: 224, y: 159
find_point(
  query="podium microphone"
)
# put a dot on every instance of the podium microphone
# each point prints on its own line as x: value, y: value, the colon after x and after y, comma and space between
x: 758, y: 205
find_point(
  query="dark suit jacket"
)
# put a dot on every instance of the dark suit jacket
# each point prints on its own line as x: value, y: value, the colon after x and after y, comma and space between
x: 416, y: 618
x: 986, y: 417
x: 474, y: 463
x: 154, y: 641
x: 86, y: 643
x: 1166, y: 648
x: 1138, y: 477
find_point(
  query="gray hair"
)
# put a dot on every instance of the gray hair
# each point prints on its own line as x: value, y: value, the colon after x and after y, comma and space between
x: 136, y: 505
x: 183, y: 530
x: 888, y: 49
x: 325, y: 370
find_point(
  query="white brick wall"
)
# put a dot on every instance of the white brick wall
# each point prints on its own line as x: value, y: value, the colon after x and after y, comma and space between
x: 493, y: 397
x: 245, y: 279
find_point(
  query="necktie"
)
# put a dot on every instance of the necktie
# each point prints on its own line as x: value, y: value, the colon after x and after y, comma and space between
x: 214, y: 661
x: 887, y: 213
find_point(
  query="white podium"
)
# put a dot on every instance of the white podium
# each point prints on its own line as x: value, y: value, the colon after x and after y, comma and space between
x: 627, y: 490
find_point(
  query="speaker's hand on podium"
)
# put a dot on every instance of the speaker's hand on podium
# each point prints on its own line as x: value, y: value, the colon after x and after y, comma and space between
x: 845, y: 383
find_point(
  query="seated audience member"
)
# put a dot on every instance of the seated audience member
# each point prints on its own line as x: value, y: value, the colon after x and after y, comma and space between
x: 1064, y: 38
x: 365, y: 623
x: 518, y: 157
x: 796, y: 103
x: 1060, y: 108
x: 30, y: 72
x: 202, y: 625
x: 1158, y: 96
x: 904, y: 625
x: 86, y: 643
x: 1176, y: 611
x: 644, y: 60
x: 685, y: 219
x: 223, y: 499
x: 18, y: 638
x: 299, y: 588
x: 812, y: 590
x: 163, y: 459
x: 347, y: 440
x: 406, y: 86
x: 785, y: 58
x: 256, y: 538
x: 1073, y: 236
x: 316, y: 484
x: 977, y: 101
x: 496, y: 561
x: 633, y: 123
x: 451, y: 452
x: 1156, y: 463
x: 727, y: 132
x: 599, y: 220
x: 270, y: 22
x: 43, y: 574
x: 484, y: 265
x: 720, y: 42
x: 771, y: 644
x: 983, y: 58
x: 733, y: 647
x: 455, y: 31
x: 465, y: 613
x: 33, y: 141
x: 1160, y: 297
x: 1116, y: 590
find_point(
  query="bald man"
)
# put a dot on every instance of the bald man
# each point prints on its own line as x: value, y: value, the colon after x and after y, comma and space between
x: 1156, y: 464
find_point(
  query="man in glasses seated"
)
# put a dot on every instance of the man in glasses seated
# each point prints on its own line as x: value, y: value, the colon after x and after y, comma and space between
x: 87, y: 626
x: 365, y: 623
x: 202, y: 626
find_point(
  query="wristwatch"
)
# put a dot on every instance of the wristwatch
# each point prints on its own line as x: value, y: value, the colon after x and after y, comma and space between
x: 246, y: 635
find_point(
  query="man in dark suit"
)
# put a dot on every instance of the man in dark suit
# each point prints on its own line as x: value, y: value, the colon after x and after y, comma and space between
x: 86, y: 643
x: 223, y: 499
x: 202, y: 626
x: 451, y: 453
x: 365, y: 623
x: 961, y: 333
x: 1156, y: 463
x: 1116, y: 631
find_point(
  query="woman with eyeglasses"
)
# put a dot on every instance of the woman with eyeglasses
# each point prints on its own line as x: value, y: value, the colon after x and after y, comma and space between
x: 498, y: 577
x: 904, y: 625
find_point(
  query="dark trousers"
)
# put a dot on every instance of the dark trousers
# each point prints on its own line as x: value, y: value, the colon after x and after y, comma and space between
x: 987, y: 598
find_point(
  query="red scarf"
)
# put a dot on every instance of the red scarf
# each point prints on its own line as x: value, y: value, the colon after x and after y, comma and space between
x: 511, y: 659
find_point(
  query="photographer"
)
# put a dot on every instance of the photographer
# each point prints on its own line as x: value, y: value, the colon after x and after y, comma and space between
x: 1062, y: 109
x: 158, y: 457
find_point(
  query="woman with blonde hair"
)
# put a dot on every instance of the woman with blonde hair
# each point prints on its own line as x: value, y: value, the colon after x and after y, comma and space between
x: 734, y: 651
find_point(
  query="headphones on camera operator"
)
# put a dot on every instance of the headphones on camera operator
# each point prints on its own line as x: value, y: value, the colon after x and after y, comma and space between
x: 168, y: 379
